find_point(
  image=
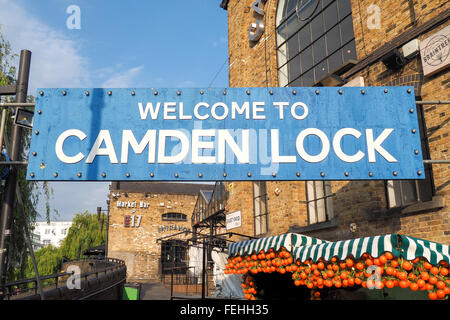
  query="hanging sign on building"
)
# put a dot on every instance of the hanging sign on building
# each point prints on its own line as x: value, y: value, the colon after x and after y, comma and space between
x: 233, y: 220
x: 307, y: 133
x: 435, y: 52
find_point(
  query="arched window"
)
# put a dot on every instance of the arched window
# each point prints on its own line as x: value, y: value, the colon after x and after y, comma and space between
x: 314, y: 38
x: 174, y: 216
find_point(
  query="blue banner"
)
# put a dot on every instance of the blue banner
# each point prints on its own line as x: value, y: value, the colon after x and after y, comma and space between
x: 306, y: 133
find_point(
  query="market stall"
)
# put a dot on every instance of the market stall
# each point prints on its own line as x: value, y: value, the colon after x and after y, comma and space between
x: 385, y: 261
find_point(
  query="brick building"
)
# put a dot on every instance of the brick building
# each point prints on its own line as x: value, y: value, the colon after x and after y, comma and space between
x: 346, y: 43
x: 140, y: 214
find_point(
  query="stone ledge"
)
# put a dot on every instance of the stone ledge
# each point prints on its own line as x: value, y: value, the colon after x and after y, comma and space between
x: 314, y: 227
x: 436, y: 203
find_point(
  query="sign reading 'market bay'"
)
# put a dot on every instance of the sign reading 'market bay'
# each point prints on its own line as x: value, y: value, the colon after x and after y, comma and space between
x: 226, y: 134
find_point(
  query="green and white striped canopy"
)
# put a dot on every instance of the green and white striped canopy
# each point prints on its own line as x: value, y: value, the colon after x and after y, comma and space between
x: 304, y: 248
x: 287, y: 240
x: 400, y: 245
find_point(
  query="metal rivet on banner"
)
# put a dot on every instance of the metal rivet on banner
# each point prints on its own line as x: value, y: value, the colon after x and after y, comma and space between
x: 127, y: 174
x: 385, y: 90
x: 224, y: 92
x: 155, y: 93
x: 36, y: 132
x: 178, y: 93
x: 416, y: 151
x: 79, y: 174
x: 249, y: 174
x: 274, y: 174
x: 202, y: 92
x: 370, y: 174
x: 409, y: 90
x: 271, y: 92
x: 86, y: 93
x: 55, y: 174
x: 176, y: 175
x: 103, y: 174
x: 248, y: 92
x: 34, y: 153
x: 394, y: 173
x: 64, y: 92
x: 200, y: 174
x: 294, y: 92
x: 133, y: 93
x: 41, y: 93
x: 322, y: 174
x: 413, y: 130
x: 152, y: 174
x: 419, y: 172
x: 39, y: 111
x: 297, y: 174
x: 340, y: 91
x: 346, y: 173
x: 411, y: 110
x: 32, y: 174
x: 224, y: 174
x: 363, y: 91
x: 317, y: 91
x: 109, y: 93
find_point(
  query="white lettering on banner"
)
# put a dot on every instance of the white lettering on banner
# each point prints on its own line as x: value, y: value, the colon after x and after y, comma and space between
x: 224, y: 138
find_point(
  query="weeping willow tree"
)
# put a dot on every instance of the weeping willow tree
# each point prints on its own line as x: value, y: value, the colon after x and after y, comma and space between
x: 87, y: 231
x: 30, y: 191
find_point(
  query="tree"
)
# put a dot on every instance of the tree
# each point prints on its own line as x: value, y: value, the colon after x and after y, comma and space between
x: 86, y: 232
x: 30, y: 191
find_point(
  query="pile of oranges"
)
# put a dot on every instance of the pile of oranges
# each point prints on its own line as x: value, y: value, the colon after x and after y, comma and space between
x: 372, y: 273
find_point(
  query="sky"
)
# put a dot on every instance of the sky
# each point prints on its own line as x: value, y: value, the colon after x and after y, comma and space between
x: 117, y: 44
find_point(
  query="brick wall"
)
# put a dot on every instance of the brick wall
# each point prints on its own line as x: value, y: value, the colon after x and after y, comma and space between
x: 363, y: 203
x: 138, y: 246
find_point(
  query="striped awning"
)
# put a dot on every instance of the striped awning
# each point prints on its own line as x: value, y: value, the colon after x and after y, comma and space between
x: 399, y: 245
x: 287, y: 240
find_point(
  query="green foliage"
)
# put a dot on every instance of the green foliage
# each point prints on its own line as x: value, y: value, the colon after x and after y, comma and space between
x: 30, y: 191
x: 86, y: 232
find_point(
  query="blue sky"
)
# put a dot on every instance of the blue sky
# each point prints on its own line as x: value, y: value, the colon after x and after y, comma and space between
x: 135, y: 43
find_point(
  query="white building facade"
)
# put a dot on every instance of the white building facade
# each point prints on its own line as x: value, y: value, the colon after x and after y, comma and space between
x: 52, y: 233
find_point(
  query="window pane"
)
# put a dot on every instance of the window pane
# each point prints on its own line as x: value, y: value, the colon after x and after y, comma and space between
x: 320, y: 194
x: 308, y: 78
x: 347, y: 29
x: 344, y: 7
x: 296, y: 83
x: 329, y: 200
x: 305, y: 36
x: 293, y: 24
x: 311, y: 195
x: 317, y: 27
x: 293, y: 47
x: 330, y: 16
x: 349, y: 51
x: 306, y: 59
x: 409, y: 191
x: 320, y: 51
x: 291, y: 6
x: 281, y: 11
x: 281, y: 33
x: 326, y: 2
x: 294, y: 67
x: 306, y: 9
x: 321, y: 70
x: 333, y: 40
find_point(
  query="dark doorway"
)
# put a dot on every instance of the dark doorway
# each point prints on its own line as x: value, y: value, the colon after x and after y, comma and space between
x: 173, y: 256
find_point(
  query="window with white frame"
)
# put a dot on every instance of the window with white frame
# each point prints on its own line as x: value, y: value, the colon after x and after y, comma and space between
x: 319, y: 201
x: 260, y: 207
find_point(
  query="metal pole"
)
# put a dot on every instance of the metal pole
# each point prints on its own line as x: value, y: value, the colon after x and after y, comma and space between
x: 30, y: 246
x: 16, y: 104
x: 437, y: 161
x: 2, y: 128
x: 16, y: 146
x: 434, y: 102
x: 204, y: 270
